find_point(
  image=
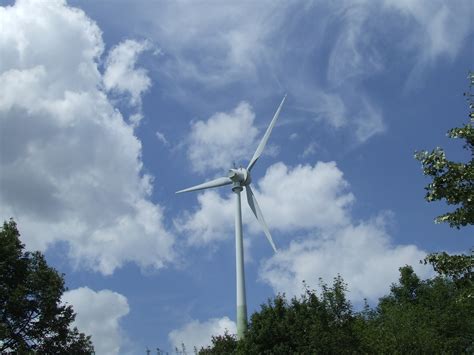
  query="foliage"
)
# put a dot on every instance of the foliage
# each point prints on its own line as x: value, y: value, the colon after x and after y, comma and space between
x: 457, y: 267
x: 423, y: 316
x: 309, y: 324
x: 32, y: 317
x: 221, y: 344
x: 417, y: 316
x: 453, y: 181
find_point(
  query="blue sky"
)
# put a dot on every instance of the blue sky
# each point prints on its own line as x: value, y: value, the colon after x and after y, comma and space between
x: 108, y: 108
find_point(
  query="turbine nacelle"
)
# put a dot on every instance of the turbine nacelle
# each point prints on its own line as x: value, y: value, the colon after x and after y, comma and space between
x: 240, y: 176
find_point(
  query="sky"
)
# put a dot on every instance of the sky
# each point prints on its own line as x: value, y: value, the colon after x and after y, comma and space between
x: 109, y: 107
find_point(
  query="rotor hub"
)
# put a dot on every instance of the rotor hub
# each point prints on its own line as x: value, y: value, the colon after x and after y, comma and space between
x: 240, y: 176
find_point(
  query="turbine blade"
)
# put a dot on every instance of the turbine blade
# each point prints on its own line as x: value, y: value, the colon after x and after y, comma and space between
x: 264, y: 140
x: 208, y: 184
x: 258, y: 214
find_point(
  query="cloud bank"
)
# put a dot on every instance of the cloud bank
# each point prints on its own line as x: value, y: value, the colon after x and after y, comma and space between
x: 71, y: 166
x: 312, y: 205
x: 361, y: 252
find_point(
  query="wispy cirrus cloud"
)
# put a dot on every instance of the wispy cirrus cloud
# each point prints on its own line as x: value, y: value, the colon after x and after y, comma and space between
x: 321, y: 53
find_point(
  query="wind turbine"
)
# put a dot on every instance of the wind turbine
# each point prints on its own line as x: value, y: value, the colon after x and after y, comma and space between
x: 240, y: 178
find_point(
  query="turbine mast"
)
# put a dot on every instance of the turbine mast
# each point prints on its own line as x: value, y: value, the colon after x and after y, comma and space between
x: 239, y: 265
x: 239, y: 178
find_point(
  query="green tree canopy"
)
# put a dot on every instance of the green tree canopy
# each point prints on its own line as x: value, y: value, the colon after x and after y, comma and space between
x: 32, y: 317
x: 422, y: 316
x: 307, y: 325
x: 453, y: 181
x: 417, y: 316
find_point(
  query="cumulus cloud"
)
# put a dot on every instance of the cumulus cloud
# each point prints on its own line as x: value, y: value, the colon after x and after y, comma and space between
x: 71, y: 166
x: 224, y: 137
x: 362, y: 253
x: 307, y: 197
x: 121, y: 75
x: 211, y: 221
x: 98, y: 314
x: 197, y: 334
x: 315, y: 202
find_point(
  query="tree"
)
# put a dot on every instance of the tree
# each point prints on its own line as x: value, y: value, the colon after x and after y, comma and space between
x: 417, y: 316
x: 221, y: 344
x: 453, y: 181
x: 309, y: 324
x: 422, y: 316
x: 32, y: 317
x: 459, y: 268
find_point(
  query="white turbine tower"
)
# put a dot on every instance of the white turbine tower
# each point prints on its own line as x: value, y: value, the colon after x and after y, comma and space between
x: 240, y: 178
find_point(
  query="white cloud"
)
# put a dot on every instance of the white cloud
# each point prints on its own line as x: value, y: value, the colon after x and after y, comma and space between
x: 353, y: 55
x: 211, y: 221
x: 368, y: 121
x: 442, y: 27
x: 314, y: 201
x: 28, y: 47
x: 135, y: 119
x: 439, y: 30
x: 269, y: 47
x: 197, y: 334
x: 350, y: 109
x: 254, y: 44
x: 162, y: 138
x: 214, y: 45
x: 71, y: 167
x: 310, y: 149
x: 361, y: 253
x: 304, y: 197
x: 430, y: 29
x: 307, y: 197
x: 121, y: 76
x: 98, y: 314
x: 224, y: 137
x: 331, y: 108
